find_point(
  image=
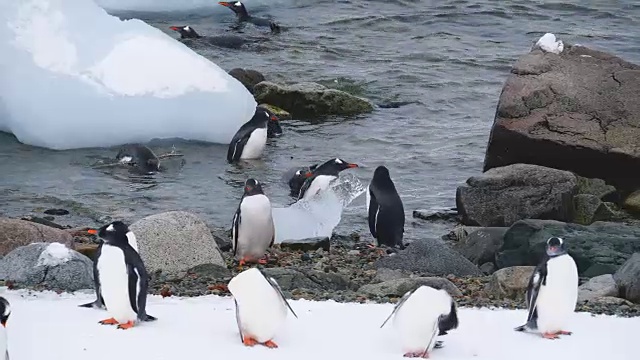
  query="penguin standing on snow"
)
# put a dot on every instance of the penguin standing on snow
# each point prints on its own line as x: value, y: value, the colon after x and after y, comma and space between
x: 322, y: 176
x: 420, y: 316
x: 122, y: 277
x: 552, y: 292
x: 385, y: 209
x: 253, y: 228
x: 250, y: 140
x: 5, y: 311
x: 261, y: 307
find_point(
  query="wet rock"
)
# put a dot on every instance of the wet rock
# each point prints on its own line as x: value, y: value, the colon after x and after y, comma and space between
x: 510, y: 282
x: 481, y: 245
x: 222, y: 238
x: 247, y: 77
x: 556, y: 110
x: 632, y: 202
x: 15, y: 233
x: 281, y: 114
x: 311, y: 244
x: 502, y: 196
x: 585, y: 207
x: 49, y: 265
x: 628, y: 279
x: 437, y: 215
x: 311, y: 100
x: 597, y: 287
x: 600, y: 248
x: 175, y: 241
x: 429, y: 256
x: 399, y: 287
x: 596, y: 187
x: 291, y: 279
x: 57, y: 212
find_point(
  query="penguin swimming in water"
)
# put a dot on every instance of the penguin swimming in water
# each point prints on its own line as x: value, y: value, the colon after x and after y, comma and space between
x: 552, y: 292
x: 385, y: 209
x: 253, y: 228
x: 242, y: 15
x: 298, y: 177
x: 420, y: 316
x: 274, y: 129
x: 322, y: 176
x: 225, y: 41
x: 250, y: 140
x: 122, y: 277
x: 5, y: 311
x: 139, y: 156
x: 261, y: 308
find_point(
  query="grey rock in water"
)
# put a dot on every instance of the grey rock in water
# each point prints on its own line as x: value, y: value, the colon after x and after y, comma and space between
x: 310, y: 100
x: 247, y: 77
x: 175, y: 241
x: 399, y: 287
x: 481, y: 245
x: 628, y: 279
x: 429, y: 256
x: 310, y: 244
x: 502, y: 196
x: 558, y: 110
x: 33, y: 265
x: 15, y: 233
x: 597, y: 287
x: 600, y: 248
x: 510, y: 282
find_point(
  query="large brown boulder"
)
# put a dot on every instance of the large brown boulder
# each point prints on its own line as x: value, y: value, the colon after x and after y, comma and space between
x: 15, y: 233
x: 578, y: 110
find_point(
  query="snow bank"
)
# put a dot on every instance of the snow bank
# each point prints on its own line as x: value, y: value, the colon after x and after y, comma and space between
x: 54, y: 255
x: 74, y: 76
x: 319, y: 215
x: 548, y: 43
x: 205, y: 328
x: 179, y: 5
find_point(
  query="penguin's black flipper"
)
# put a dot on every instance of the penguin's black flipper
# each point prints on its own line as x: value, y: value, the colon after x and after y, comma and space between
x: 537, y: 279
x: 237, y: 219
x: 238, y: 142
x: 98, y: 303
x: 277, y: 288
x: 398, y: 305
x: 373, y: 214
x: 138, y: 276
x: 305, y: 186
x: 238, y: 320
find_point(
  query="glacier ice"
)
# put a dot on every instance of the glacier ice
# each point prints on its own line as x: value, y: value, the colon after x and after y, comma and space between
x: 318, y: 215
x: 73, y: 76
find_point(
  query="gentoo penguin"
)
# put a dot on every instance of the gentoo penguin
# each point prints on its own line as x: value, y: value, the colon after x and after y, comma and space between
x: 274, y: 129
x: 253, y: 228
x: 420, y: 316
x: 322, y: 176
x: 261, y: 307
x: 5, y: 311
x: 552, y: 292
x: 98, y: 303
x: 123, y: 277
x: 385, y: 209
x: 138, y: 156
x: 242, y: 15
x: 298, y: 178
x: 226, y: 41
x: 251, y: 138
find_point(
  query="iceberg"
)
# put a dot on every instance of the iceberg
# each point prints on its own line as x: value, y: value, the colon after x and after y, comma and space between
x: 73, y: 76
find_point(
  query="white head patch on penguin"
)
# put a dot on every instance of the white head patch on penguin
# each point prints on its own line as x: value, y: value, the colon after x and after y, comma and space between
x: 322, y: 176
x: 250, y: 140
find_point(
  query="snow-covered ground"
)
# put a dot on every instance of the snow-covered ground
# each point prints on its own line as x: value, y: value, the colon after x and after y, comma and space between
x: 46, y: 326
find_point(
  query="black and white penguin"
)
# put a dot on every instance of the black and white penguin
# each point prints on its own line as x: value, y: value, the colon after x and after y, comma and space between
x: 242, y: 15
x: 139, y: 156
x: 385, y: 209
x: 253, y: 228
x: 322, y: 176
x: 420, y: 316
x: 5, y: 311
x: 122, y: 276
x: 274, y: 129
x: 225, y: 41
x: 261, y: 308
x: 250, y: 140
x: 552, y: 292
x: 297, y: 177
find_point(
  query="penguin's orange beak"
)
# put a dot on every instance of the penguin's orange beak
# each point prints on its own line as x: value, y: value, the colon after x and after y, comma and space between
x: 174, y: 28
x: 350, y: 166
x: 224, y: 3
x: 274, y: 118
x: 93, y: 231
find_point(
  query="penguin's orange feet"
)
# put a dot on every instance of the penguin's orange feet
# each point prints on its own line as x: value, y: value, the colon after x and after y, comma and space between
x: 550, y: 336
x: 248, y: 341
x: 111, y: 321
x: 424, y: 355
x: 125, y: 326
x: 562, y: 332
x: 271, y: 345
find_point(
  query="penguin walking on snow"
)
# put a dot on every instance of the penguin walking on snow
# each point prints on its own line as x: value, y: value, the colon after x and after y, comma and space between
x: 261, y: 308
x: 420, y: 316
x: 321, y: 177
x: 250, y: 140
x: 385, y: 210
x: 122, y: 277
x: 552, y: 292
x: 253, y: 228
x: 5, y: 311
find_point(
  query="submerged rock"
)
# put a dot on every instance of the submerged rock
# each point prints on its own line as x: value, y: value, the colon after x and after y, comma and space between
x: 310, y: 244
x: 15, y: 233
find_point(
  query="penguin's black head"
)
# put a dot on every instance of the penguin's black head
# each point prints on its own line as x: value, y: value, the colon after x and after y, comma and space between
x: 273, y: 122
x: 236, y: 6
x: 140, y: 156
x: 556, y: 247
x: 340, y: 164
x: 114, y: 233
x: 5, y: 311
x: 186, y: 32
x: 381, y: 171
x: 252, y: 187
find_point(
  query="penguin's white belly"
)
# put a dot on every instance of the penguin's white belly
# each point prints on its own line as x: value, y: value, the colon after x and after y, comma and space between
x: 417, y: 320
x: 255, y: 145
x: 114, y: 284
x: 320, y: 183
x: 256, y: 226
x: 3, y: 343
x: 557, y: 300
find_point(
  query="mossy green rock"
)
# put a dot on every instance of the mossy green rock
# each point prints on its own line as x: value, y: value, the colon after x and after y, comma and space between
x: 281, y: 114
x: 632, y: 202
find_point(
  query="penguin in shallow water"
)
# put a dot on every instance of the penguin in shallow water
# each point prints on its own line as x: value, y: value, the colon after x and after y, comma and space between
x: 242, y: 15
x: 250, y: 140
x: 5, y: 312
x: 253, y: 228
x: 322, y: 176
x: 122, y: 276
x: 274, y: 129
x: 385, y: 209
x: 552, y: 292
x: 261, y: 308
x: 139, y: 156
x: 226, y: 41
x: 298, y: 177
x: 420, y: 316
